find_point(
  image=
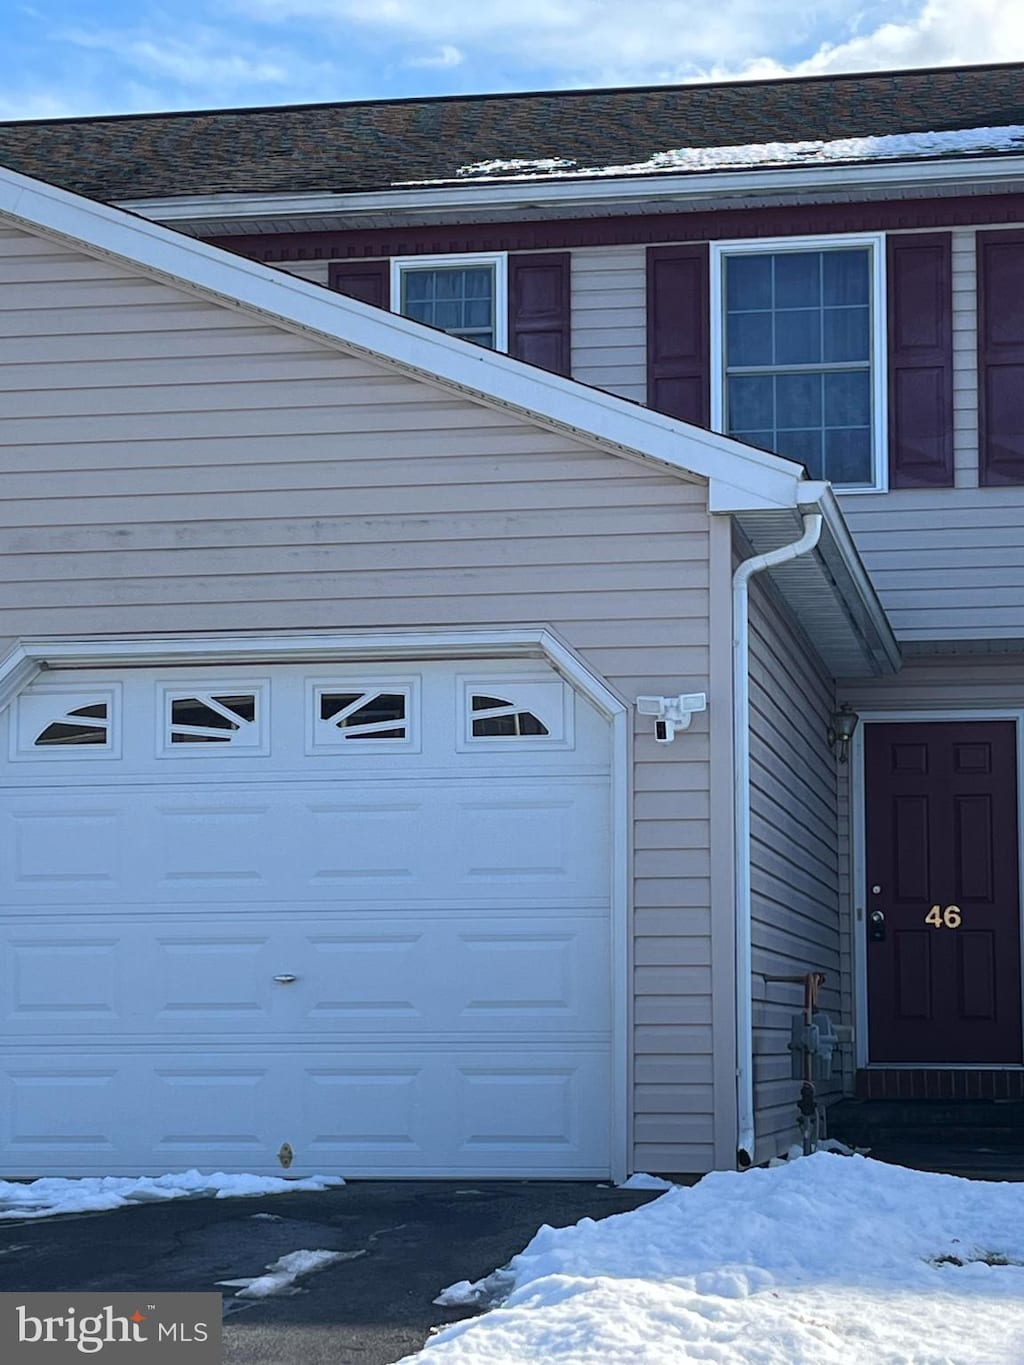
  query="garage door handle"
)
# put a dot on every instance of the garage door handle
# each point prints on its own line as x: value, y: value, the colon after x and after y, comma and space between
x: 285, y: 979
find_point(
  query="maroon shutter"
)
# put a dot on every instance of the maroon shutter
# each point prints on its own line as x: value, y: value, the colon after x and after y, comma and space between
x: 364, y: 280
x: 920, y: 323
x: 678, y: 351
x: 1000, y: 357
x: 538, y: 310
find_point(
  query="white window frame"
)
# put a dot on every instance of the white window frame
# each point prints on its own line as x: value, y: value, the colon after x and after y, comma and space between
x: 561, y: 731
x: 168, y: 692
x: 23, y: 735
x: 320, y: 739
x: 764, y: 246
x: 498, y: 260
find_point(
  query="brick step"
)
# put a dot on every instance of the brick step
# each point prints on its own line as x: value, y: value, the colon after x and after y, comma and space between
x: 929, y: 1113
x: 953, y: 1160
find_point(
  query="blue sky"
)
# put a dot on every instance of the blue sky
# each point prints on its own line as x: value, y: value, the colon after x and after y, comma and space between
x: 118, y: 56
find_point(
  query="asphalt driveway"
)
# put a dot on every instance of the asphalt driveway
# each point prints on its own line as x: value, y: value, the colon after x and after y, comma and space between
x: 416, y: 1236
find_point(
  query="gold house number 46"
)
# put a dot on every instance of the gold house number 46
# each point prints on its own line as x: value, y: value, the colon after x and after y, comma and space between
x: 944, y: 918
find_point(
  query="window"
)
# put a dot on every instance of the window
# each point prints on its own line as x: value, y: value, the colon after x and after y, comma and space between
x: 222, y: 718
x: 799, y: 354
x: 82, y: 725
x: 66, y: 722
x: 495, y: 718
x: 464, y: 296
x: 362, y: 715
x: 211, y: 720
x: 365, y: 715
x: 524, y: 711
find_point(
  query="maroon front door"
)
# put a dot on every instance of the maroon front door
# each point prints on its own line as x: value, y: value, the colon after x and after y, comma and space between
x: 943, y: 892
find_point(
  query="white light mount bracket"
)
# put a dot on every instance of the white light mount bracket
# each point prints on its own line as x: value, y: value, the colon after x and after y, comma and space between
x: 671, y: 713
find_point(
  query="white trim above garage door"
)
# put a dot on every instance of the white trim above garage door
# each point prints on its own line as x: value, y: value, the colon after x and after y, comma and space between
x: 183, y: 944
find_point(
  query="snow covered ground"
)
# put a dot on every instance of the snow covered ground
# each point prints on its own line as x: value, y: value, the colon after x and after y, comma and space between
x: 827, y: 1260
x: 94, y: 1194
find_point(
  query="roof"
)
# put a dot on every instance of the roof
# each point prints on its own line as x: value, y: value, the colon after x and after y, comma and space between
x: 382, y: 144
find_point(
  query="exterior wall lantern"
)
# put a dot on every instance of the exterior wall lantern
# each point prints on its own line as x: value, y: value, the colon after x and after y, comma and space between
x: 841, y: 726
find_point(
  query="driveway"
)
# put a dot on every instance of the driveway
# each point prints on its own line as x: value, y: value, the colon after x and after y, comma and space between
x: 417, y: 1236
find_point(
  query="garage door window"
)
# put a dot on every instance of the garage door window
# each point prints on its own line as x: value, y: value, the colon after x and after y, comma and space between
x: 87, y: 724
x: 521, y: 713
x: 362, y: 715
x: 65, y: 724
x: 201, y: 721
x: 495, y: 718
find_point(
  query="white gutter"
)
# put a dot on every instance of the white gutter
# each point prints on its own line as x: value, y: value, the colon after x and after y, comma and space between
x: 813, y: 522
x: 672, y: 190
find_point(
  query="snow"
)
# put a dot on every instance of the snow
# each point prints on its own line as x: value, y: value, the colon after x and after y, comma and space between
x: 829, y: 1259
x: 282, y: 1274
x: 640, y: 1181
x: 891, y: 147
x: 94, y: 1194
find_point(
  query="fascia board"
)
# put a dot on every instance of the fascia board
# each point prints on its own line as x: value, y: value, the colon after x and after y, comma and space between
x: 592, y: 415
x: 820, y: 497
x: 459, y: 196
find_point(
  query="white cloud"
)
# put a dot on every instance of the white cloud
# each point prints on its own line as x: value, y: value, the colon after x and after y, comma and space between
x: 592, y: 39
x: 602, y: 41
x: 445, y: 56
x: 941, y: 33
x: 203, y: 58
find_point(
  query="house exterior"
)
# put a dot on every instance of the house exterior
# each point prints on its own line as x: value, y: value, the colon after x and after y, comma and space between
x: 440, y: 539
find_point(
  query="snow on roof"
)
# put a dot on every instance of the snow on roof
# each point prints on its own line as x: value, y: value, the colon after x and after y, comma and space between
x: 891, y: 147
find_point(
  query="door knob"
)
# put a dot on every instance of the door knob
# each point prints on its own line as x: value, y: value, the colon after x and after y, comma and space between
x: 876, y: 926
x: 285, y: 979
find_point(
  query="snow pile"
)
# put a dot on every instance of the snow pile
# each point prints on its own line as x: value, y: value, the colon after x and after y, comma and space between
x: 891, y: 147
x: 282, y: 1274
x: 94, y: 1194
x: 824, y: 1261
x: 642, y: 1181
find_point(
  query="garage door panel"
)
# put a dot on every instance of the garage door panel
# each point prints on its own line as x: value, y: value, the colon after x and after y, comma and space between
x: 140, y: 846
x: 416, y: 975
x: 475, y: 1112
x: 202, y: 844
x: 68, y: 1114
x: 63, y: 982
x: 57, y: 850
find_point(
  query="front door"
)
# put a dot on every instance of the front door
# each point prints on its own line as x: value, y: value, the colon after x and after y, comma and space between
x: 943, y: 892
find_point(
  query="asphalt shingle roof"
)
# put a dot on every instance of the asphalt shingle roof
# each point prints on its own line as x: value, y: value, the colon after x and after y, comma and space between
x: 380, y: 144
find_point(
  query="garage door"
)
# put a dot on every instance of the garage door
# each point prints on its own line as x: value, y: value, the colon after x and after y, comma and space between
x: 358, y: 915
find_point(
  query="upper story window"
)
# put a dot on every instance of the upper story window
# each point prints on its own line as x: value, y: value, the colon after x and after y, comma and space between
x: 800, y: 363
x: 462, y: 295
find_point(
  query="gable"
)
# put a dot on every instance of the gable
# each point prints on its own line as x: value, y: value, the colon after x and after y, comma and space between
x: 96, y: 353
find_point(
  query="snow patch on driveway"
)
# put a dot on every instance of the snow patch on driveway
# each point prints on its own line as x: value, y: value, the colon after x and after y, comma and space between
x: 825, y: 1261
x: 282, y: 1274
x: 95, y: 1194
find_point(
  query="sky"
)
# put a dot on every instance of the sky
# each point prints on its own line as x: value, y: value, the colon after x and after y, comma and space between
x: 79, y: 57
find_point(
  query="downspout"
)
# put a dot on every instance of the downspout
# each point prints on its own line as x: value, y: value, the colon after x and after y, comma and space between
x: 745, y: 1139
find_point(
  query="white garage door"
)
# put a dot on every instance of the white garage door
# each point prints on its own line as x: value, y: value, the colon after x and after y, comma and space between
x: 361, y: 913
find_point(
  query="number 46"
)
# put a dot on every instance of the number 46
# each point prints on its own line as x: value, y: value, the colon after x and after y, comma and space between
x: 949, y: 918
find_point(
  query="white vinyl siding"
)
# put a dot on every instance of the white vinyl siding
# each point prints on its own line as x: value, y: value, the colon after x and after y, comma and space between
x: 176, y: 465
x: 965, y: 357
x: 948, y: 563
x: 794, y: 855
x: 609, y: 326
